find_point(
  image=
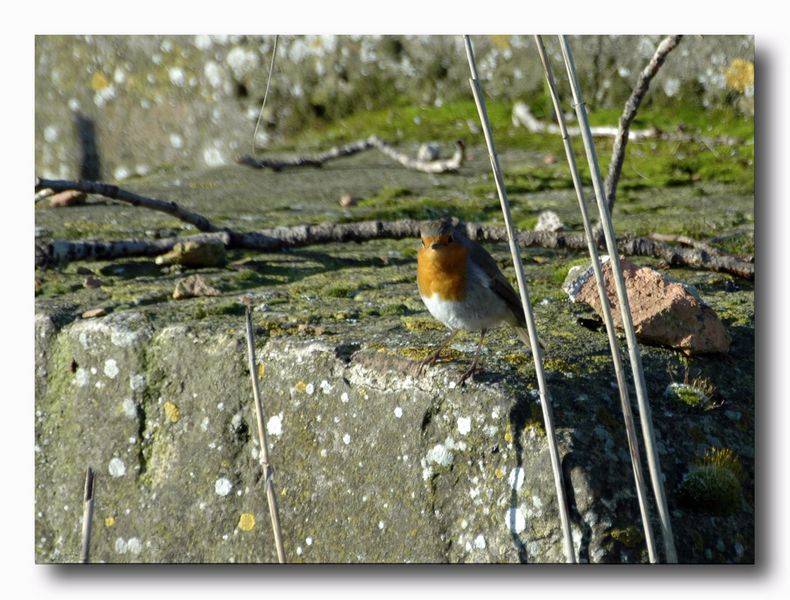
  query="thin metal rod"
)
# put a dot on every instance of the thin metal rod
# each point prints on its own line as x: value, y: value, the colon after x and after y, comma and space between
x: 268, y: 472
x: 622, y: 383
x: 633, y: 349
x: 545, y: 400
x: 87, y: 517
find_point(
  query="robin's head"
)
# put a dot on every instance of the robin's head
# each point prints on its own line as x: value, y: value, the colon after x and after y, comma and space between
x: 438, y: 235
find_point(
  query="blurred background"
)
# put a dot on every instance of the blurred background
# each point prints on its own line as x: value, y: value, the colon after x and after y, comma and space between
x: 115, y: 107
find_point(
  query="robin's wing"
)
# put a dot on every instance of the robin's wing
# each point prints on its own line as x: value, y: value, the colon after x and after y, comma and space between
x: 497, y: 281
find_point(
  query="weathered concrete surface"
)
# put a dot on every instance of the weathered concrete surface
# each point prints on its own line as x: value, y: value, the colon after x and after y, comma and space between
x: 162, y: 386
x: 372, y: 464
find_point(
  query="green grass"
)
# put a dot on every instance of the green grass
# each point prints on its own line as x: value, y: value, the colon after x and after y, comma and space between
x: 651, y: 163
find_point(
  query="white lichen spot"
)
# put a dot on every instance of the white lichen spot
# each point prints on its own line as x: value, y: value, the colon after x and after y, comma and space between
x: 74, y: 104
x: 213, y: 157
x: 344, y: 397
x: 81, y: 377
x: 134, y: 545
x: 275, y: 425
x: 381, y: 524
x: 120, y: 173
x: 121, y: 546
x: 464, y: 425
x: 50, y: 134
x: 129, y: 408
x: 223, y: 486
x: 204, y: 424
x: 214, y: 74
x: 111, y: 368
x: 516, y: 478
x: 398, y: 412
x: 136, y: 382
x: 346, y: 439
x: 440, y: 455
x: 325, y: 386
x: 299, y: 551
x: 308, y: 541
x: 242, y: 62
x: 117, y: 467
x: 309, y: 389
x: 99, y: 385
x: 176, y: 141
x: 236, y: 421
x: 176, y: 76
x: 480, y: 542
x: 537, y: 502
x: 323, y: 452
x: 220, y: 406
x: 515, y: 520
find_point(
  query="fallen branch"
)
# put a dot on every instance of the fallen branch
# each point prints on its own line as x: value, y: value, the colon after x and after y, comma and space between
x: 115, y: 193
x: 282, y: 238
x: 686, y: 241
x: 629, y: 112
x: 450, y: 165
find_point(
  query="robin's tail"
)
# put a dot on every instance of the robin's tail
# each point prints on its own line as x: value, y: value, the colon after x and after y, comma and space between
x: 523, y: 335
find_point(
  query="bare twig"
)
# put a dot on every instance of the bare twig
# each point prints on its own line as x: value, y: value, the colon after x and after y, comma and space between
x: 686, y: 241
x: 449, y: 165
x: 114, y: 192
x: 629, y: 112
x: 263, y: 442
x: 87, y: 517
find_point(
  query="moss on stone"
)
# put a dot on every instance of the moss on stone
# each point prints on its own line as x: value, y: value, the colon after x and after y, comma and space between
x: 630, y: 537
x: 712, y: 489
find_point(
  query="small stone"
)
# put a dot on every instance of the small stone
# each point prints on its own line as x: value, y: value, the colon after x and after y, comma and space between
x: 93, y: 313
x: 548, y: 220
x: 549, y: 159
x: 67, y: 198
x: 347, y: 200
x: 195, y: 255
x: 193, y: 287
x: 92, y: 283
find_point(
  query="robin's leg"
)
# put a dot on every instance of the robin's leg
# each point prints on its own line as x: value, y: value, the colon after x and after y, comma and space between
x: 473, y: 367
x: 431, y: 360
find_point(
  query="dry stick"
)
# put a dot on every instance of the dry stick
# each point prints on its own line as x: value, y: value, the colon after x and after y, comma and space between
x: 622, y: 383
x: 450, y: 165
x: 268, y: 472
x: 280, y: 238
x: 628, y: 326
x: 545, y: 400
x: 686, y: 241
x: 629, y: 112
x: 116, y: 193
x: 87, y: 517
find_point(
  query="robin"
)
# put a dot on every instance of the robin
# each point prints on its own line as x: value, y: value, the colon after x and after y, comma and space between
x: 463, y: 288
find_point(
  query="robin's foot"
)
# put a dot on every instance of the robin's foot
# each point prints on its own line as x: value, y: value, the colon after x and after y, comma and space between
x: 470, y: 372
x: 428, y: 361
x: 434, y: 358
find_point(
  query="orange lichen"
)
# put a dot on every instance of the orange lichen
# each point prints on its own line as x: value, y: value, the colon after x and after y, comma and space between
x: 172, y: 412
x: 247, y: 521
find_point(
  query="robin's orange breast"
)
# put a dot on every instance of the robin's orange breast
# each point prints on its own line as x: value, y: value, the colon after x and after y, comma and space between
x: 442, y: 271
